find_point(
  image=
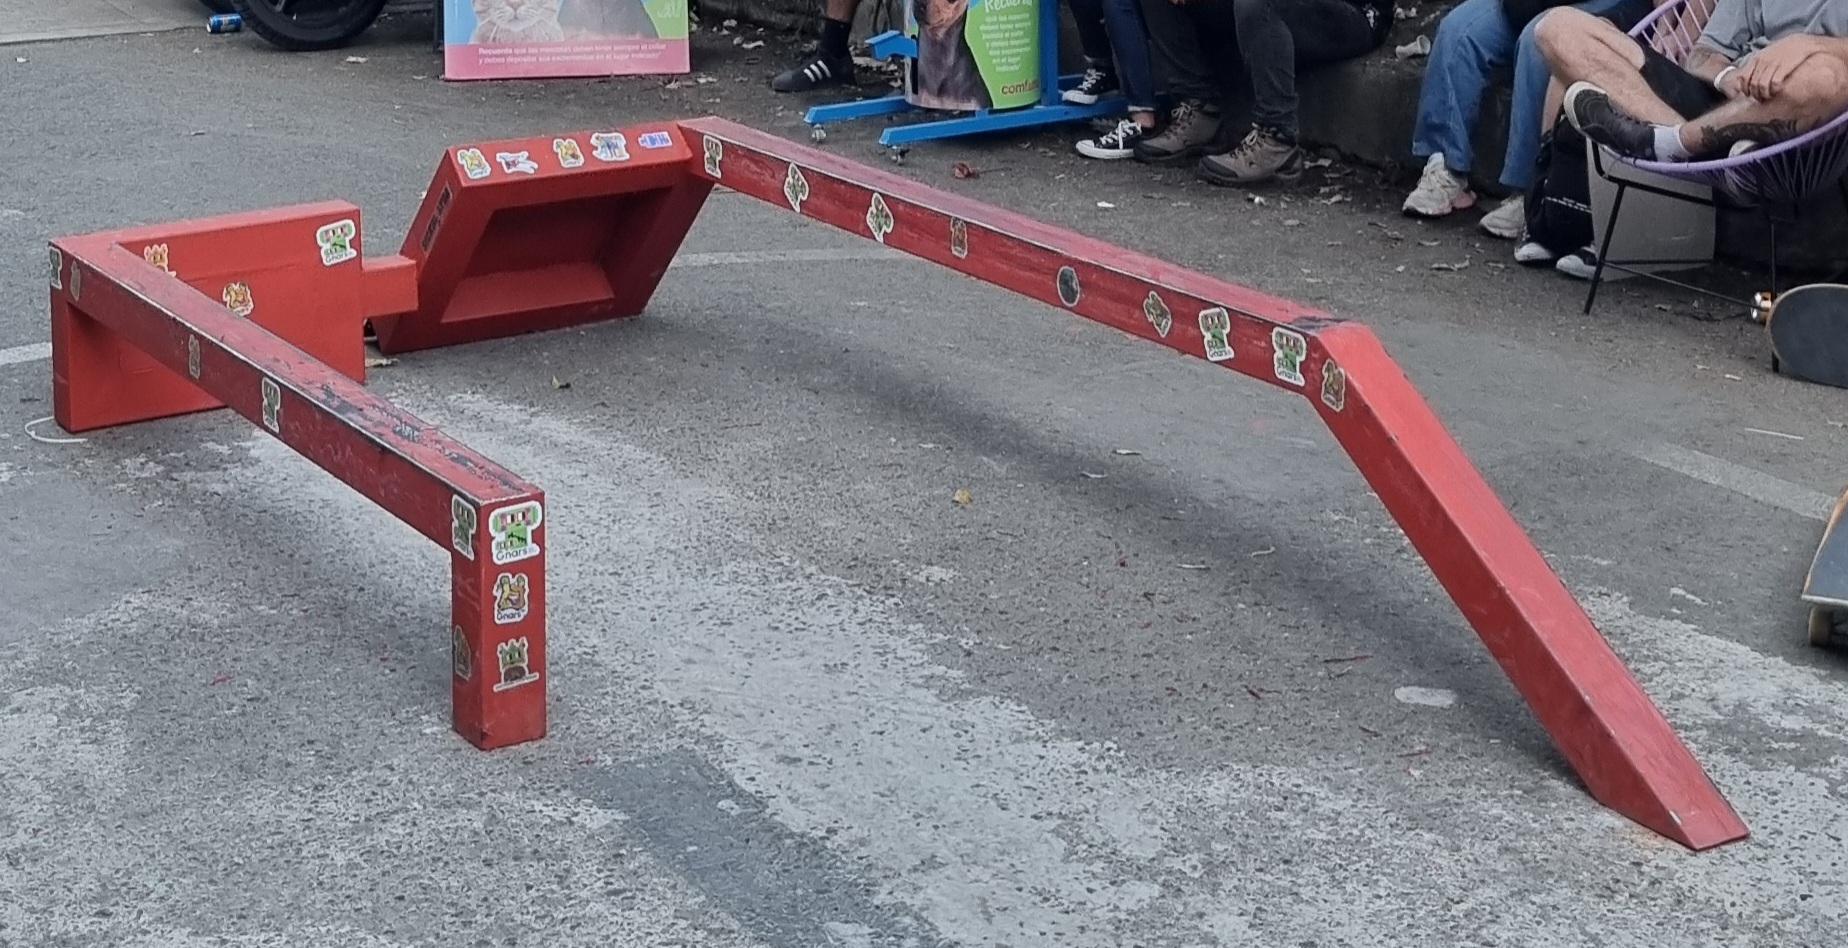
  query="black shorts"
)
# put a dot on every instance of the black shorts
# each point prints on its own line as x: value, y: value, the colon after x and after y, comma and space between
x: 1686, y: 93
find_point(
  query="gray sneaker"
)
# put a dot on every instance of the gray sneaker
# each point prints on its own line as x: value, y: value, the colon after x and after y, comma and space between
x: 1263, y: 155
x: 1191, y: 128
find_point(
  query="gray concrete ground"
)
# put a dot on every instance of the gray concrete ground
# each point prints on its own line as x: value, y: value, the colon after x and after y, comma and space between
x: 799, y: 698
x: 25, y: 21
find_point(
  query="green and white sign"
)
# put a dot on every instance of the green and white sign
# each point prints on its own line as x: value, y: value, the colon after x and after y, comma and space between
x: 974, y: 54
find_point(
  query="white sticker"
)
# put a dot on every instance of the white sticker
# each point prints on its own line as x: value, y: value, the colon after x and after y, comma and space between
x: 1157, y: 313
x: 715, y: 153
x: 1288, y: 350
x: 272, y: 405
x: 655, y: 140
x: 609, y: 146
x: 517, y: 162
x: 879, y: 217
x: 474, y: 163
x: 515, y: 664
x: 1334, y: 386
x: 515, y: 530
x: 238, y: 299
x: 159, y: 255
x: 462, y: 522
x: 1216, y: 330
x: 512, y: 593
x: 57, y: 269
x: 795, y: 188
x: 568, y: 152
x: 336, y: 242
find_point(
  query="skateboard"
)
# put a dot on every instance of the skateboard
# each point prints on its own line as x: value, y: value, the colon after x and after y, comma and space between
x: 1826, y: 586
x: 1809, y: 333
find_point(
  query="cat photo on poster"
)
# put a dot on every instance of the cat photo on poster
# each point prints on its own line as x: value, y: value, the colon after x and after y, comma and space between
x: 521, y: 39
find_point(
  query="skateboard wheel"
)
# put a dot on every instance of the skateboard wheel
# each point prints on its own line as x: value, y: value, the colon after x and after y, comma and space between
x: 1821, y: 626
x: 898, y: 156
x: 817, y: 134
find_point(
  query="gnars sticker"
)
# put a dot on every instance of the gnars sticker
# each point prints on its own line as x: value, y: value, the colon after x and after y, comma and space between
x: 336, y: 242
x: 515, y: 531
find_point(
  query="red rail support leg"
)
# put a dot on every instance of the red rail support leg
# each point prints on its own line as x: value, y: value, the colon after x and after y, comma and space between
x: 1599, y: 717
x: 194, y: 351
x: 542, y: 233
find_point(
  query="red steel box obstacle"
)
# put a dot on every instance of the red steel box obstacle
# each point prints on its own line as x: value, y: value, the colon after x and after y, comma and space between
x: 264, y: 313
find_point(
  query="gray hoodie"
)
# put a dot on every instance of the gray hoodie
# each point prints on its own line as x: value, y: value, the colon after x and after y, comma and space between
x: 1739, y: 28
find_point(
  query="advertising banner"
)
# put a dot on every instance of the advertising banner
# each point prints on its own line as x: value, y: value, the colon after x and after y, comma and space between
x: 540, y: 39
x: 974, y: 54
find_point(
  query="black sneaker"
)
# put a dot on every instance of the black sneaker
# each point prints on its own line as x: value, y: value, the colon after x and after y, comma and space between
x: 1096, y: 84
x: 1114, y: 145
x: 817, y: 72
x: 1591, y: 111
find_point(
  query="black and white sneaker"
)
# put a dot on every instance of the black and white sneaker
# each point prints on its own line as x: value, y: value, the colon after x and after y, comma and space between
x: 1114, y: 145
x: 1096, y: 84
x: 1591, y: 111
x: 817, y: 72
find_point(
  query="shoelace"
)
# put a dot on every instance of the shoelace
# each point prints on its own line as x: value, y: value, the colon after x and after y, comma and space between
x: 1092, y: 79
x: 1117, y: 136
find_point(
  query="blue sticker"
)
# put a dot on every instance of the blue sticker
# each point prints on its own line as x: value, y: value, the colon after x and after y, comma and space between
x: 655, y: 140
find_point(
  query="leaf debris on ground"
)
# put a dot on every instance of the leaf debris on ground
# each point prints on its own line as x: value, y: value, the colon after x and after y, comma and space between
x: 1452, y: 267
x: 962, y: 497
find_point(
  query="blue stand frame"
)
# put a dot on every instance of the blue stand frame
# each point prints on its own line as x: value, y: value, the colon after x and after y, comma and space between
x: 1050, y: 110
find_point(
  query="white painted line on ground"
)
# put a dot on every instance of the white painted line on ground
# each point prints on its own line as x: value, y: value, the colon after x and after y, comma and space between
x: 31, y: 352
x: 39, y: 351
x: 1739, y: 479
x: 818, y: 255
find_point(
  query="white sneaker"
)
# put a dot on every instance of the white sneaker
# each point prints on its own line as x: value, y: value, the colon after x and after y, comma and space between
x: 1506, y: 221
x: 1532, y: 253
x: 1439, y: 191
x: 1114, y: 145
x: 1584, y: 264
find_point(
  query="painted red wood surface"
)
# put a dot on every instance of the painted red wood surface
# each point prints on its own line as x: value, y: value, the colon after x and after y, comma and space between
x: 532, y: 234
x: 1597, y: 714
x: 439, y: 487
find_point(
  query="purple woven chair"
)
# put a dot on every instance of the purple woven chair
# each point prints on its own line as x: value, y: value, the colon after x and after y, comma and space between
x: 1785, y: 174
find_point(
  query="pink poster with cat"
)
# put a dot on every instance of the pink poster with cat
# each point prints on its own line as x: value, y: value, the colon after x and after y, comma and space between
x: 540, y: 39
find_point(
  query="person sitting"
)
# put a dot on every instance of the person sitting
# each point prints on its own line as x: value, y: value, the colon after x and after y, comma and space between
x: 1473, y: 41
x: 1116, y: 54
x: 1762, y: 71
x: 1194, y: 43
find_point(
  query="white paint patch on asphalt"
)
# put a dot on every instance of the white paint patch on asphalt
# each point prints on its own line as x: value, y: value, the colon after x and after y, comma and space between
x: 1739, y: 479
x: 977, y: 816
x: 815, y: 255
x: 31, y: 352
x: 1426, y: 697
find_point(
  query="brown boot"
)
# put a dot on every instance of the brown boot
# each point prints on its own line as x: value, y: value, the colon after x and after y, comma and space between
x: 1191, y: 128
x: 1263, y: 155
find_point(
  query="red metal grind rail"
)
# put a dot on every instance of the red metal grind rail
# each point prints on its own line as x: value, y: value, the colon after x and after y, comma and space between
x: 131, y: 341
x: 566, y: 230
x: 1597, y: 714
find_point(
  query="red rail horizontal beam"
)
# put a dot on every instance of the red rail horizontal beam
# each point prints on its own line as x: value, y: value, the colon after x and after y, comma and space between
x: 1597, y: 714
x: 490, y: 520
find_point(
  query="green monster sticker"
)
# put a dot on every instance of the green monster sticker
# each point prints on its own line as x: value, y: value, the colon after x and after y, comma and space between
x: 1289, y: 348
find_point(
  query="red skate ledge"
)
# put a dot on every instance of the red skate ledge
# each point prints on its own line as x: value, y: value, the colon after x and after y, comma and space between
x: 1598, y: 716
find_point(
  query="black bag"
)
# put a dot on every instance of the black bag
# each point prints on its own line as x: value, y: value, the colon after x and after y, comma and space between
x: 1519, y: 12
x: 1559, y: 200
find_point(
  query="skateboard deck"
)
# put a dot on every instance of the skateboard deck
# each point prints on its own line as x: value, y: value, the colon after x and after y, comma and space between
x: 1826, y: 586
x: 1809, y: 333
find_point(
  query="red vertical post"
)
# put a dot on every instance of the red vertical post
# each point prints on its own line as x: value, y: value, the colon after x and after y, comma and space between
x: 498, y: 634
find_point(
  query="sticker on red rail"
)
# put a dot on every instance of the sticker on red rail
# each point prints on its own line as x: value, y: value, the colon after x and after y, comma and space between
x: 570, y: 154
x: 515, y: 656
x: 462, y: 523
x: 511, y: 596
x: 1216, y: 330
x: 1289, y: 348
x: 517, y: 162
x: 461, y: 657
x: 609, y: 147
x: 238, y: 299
x: 795, y: 187
x: 473, y: 163
x: 515, y: 530
x: 1158, y: 314
x: 1334, y: 386
x: 57, y: 269
x: 336, y: 242
x: 714, y: 151
x: 158, y: 255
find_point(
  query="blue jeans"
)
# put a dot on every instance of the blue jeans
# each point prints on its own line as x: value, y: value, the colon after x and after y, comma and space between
x: 1473, y: 41
x: 1112, y: 29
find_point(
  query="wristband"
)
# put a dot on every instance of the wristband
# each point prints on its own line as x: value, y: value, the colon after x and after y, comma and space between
x: 1717, y: 80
